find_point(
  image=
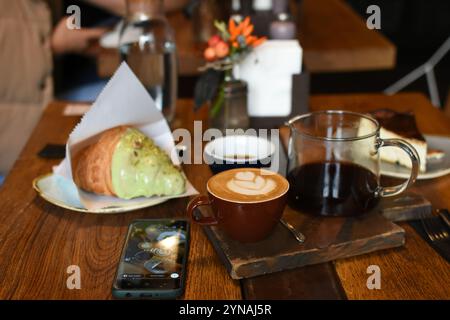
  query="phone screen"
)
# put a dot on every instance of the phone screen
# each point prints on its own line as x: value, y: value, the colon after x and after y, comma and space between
x: 154, y: 256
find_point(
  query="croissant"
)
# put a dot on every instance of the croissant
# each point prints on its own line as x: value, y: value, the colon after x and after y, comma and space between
x: 126, y: 164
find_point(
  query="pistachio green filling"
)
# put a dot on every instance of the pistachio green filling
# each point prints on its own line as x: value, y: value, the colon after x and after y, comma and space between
x: 142, y: 169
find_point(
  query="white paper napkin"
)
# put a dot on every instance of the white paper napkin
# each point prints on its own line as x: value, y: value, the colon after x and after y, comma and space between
x: 268, y: 71
x: 124, y: 101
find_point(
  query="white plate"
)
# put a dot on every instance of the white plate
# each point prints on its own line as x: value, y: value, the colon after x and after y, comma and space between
x: 435, y: 168
x: 63, y: 193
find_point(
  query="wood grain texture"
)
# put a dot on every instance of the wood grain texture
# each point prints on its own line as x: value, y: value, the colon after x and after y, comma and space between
x: 38, y: 241
x: 328, y: 239
x: 308, y: 283
x: 414, y: 271
x: 332, y: 35
x: 406, y: 207
x: 335, y: 39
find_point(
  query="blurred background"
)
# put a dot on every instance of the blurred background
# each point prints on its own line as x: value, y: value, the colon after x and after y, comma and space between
x: 416, y: 27
x: 44, y: 60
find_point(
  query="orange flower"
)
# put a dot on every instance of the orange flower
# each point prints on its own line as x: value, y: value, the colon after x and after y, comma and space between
x: 258, y: 42
x: 243, y: 30
x: 249, y: 40
x: 233, y: 29
x: 248, y: 30
x: 246, y: 22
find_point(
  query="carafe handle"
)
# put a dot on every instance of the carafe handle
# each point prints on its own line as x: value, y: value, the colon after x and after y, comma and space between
x: 415, y: 162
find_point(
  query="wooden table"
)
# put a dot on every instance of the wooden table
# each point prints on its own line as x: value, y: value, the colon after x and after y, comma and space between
x: 38, y: 241
x: 334, y: 39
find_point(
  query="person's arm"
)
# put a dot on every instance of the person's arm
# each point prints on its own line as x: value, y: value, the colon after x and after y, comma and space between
x: 65, y: 40
x: 115, y: 6
x: 119, y: 6
x: 79, y: 41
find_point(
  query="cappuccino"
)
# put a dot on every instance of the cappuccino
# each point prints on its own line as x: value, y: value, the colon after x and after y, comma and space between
x: 247, y: 185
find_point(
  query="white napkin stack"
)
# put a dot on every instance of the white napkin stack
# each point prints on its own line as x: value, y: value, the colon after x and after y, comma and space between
x: 268, y: 71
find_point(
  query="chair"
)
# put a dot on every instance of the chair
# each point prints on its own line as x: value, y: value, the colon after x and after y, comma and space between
x: 426, y: 69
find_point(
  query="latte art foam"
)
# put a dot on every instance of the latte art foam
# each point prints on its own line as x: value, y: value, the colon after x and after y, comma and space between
x: 247, y: 185
x: 250, y: 184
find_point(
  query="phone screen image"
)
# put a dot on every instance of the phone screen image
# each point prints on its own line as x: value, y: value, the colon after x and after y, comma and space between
x: 154, y: 256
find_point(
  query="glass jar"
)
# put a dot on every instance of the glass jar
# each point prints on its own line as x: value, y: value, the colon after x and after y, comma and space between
x: 230, y: 108
x: 280, y: 6
x: 283, y: 28
x: 147, y: 44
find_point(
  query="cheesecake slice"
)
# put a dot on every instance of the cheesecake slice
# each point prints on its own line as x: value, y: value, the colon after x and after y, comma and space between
x: 434, y: 154
x: 399, y: 125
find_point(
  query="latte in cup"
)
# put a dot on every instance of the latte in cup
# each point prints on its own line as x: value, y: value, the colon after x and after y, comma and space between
x: 246, y: 203
x: 247, y: 185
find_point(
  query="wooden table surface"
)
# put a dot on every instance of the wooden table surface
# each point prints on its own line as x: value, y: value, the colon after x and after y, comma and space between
x: 38, y: 240
x: 334, y: 39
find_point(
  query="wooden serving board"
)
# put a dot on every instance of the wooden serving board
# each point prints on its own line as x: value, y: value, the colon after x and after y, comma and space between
x: 327, y: 239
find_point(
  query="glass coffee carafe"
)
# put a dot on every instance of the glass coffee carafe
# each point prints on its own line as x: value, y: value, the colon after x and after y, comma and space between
x: 147, y: 44
x: 334, y: 163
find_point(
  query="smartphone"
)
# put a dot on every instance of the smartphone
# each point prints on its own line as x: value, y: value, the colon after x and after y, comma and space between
x: 153, y: 260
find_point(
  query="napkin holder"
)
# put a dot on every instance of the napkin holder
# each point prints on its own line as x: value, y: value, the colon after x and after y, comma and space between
x: 277, y: 86
x: 300, y: 103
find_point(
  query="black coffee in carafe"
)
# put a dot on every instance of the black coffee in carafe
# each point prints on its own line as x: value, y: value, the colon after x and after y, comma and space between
x: 332, y: 189
x: 334, y: 163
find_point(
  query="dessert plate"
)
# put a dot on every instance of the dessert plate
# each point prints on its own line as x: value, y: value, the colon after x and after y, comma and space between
x: 435, y: 168
x: 63, y: 193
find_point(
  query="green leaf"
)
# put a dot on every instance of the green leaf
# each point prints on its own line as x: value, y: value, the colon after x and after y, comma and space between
x: 218, y: 103
x: 206, y: 87
x: 223, y: 29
